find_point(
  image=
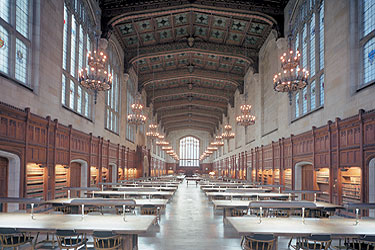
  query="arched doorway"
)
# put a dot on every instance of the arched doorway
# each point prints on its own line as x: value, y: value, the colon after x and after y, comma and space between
x: 304, y: 179
x: 3, y: 181
x: 12, y: 179
x: 78, y: 174
x: 371, y: 185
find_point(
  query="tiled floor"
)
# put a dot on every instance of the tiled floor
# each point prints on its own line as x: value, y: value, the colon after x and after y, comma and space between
x: 189, y: 223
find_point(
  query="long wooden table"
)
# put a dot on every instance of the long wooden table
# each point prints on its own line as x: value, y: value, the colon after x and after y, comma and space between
x: 249, y: 189
x: 129, y: 229
x: 138, y: 202
x: 123, y: 188
x: 248, y: 195
x: 295, y: 226
x: 164, y: 194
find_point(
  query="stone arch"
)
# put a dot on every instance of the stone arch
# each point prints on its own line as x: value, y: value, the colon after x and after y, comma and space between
x: 14, y: 177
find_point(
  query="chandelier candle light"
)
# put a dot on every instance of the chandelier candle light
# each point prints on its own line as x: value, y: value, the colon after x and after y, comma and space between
x: 292, y: 77
x: 152, y: 133
x: 137, y: 118
x: 95, y: 77
x: 245, y: 119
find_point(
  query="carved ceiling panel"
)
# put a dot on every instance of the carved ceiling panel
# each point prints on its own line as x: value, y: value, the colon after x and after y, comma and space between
x: 191, y: 55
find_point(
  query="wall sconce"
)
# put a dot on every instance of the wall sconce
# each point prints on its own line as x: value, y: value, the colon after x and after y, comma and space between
x: 344, y: 169
x: 317, y: 169
x: 66, y: 166
x: 40, y: 165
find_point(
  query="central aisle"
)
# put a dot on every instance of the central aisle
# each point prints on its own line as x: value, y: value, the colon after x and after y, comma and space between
x: 189, y: 222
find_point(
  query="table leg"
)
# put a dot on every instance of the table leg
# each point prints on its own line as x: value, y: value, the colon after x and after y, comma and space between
x: 130, y: 242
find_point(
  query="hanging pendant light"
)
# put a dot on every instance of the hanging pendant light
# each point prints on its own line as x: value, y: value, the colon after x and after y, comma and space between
x: 96, y: 77
x: 292, y: 77
x: 137, y: 118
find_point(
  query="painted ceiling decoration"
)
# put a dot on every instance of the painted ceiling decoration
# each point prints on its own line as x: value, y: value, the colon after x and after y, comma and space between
x: 191, y: 54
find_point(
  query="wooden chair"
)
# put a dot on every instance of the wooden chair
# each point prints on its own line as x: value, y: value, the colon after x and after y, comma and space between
x: 11, y: 237
x: 105, y: 240
x: 149, y: 210
x: 69, y: 239
x: 258, y: 242
x: 365, y: 242
x: 63, y: 209
x: 314, y: 242
x: 239, y: 211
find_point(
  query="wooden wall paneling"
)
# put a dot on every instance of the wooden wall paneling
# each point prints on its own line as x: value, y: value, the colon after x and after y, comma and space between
x: 23, y: 166
x: 4, y: 172
x: 331, y: 177
x: 49, y: 178
x: 364, y: 169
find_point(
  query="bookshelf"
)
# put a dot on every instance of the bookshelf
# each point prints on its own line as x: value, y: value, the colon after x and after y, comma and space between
x: 105, y: 173
x: 276, y: 176
x: 267, y: 176
x: 121, y: 174
x: 288, y: 178
x: 322, y: 183
x: 94, y: 172
x: 61, y: 181
x: 351, y: 184
x: 34, y: 181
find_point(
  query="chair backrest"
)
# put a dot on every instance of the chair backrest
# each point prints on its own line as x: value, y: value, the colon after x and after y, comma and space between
x: 317, y: 242
x: 106, y: 240
x: 149, y: 210
x: 68, y: 239
x: 259, y: 242
x: 239, y: 211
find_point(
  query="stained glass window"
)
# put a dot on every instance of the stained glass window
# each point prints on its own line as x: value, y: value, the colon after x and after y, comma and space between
x: 15, y: 45
x: 297, y: 105
x: 77, y: 98
x: 4, y: 10
x: 308, y: 29
x: 113, y: 95
x: 304, y: 100
x: 63, y: 91
x: 189, y: 152
x: 4, y: 50
x: 21, y: 61
x: 312, y: 95
x: 321, y: 83
x: 130, y: 129
x: 22, y: 17
x: 368, y: 42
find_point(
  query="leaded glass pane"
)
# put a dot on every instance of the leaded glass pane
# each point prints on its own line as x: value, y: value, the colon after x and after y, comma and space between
x: 369, y: 61
x: 79, y: 100
x: 4, y: 50
x: 22, y: 17
x: 72, y: 94
x: 73, y: 47
x: 189, y: 152
x: 368, y: 21
x: 4, y: 10
x: 21, y: 61
x: 297, y: 105
x: 321, y: 83
x: 80, y: 48
x: 312, y: 46
x: 87, y: 104
x: 63, y: 87
x: 65, y: 37
x: 312, y: 95
x: 304, y: 46
x: 321, y: 39
x: 304, y: 100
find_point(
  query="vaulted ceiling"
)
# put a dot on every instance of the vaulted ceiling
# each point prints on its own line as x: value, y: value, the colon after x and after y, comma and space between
x: 191, y: 56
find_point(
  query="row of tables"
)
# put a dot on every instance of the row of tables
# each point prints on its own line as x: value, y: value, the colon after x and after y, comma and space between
x: 224, y: 196
x: 137, y: 193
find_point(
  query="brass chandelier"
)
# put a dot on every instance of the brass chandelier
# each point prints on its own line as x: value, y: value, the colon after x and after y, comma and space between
x: 137, y: 118
x: 245, y: 119
x: 292, y: 77
x: 152, y: 133
x: 96, y: 77
x: 227, y: 135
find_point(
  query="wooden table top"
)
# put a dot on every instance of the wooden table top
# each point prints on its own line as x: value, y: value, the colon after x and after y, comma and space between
x: 52, y: 222
x: 144, y: 184
x: 221, y: 189
x: 138, y: 202
x: 241, y: 203
x: 163, y: 193
x: 260, y: 195
x: 295, y: 226
x: 122, y: 188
